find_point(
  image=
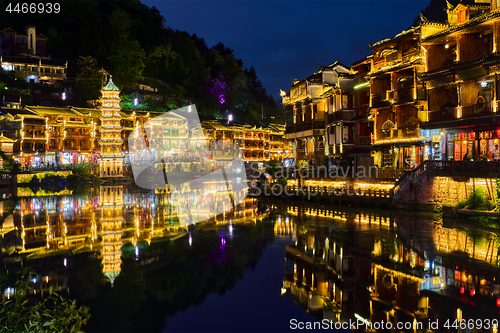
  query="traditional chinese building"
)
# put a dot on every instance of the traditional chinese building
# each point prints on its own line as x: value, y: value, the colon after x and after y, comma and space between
x: 461, y: 77
x: 314, y: 102
x: 27, y: 52
x: 363, y: 128
x: 111, y: 159
x: 397, y: 98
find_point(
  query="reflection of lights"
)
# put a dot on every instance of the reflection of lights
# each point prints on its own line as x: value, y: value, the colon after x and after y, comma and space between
x: 190, y: 240
x: 222, y: 243
x: 65, y: 262
x: 137, y: 250
x: 63, y: 96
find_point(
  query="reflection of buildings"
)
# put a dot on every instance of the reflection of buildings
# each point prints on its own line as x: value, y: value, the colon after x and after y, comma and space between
x: 357, y: 266
x: 56, y: 228
x: 111, y: 200
x: 47, y: 225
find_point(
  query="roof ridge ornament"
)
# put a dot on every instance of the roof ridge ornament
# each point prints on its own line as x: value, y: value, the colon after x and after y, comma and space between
x: 110, y: 85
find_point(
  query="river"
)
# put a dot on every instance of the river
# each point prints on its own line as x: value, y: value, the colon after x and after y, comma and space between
x: 264, y: 266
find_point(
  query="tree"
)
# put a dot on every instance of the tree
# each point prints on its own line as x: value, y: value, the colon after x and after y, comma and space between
x: 301, y: 165
x: 126, y: 55
x: 89, y: 79
x: 272, y: 167
x: 52, y: 314
x: 163, y: 55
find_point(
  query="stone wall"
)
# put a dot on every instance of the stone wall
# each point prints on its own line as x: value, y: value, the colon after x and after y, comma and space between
x: 451, y: 191
x: 444, y: 190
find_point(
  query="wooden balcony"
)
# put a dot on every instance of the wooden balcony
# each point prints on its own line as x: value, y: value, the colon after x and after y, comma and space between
x: 363, y: 140
x: 306, y: 126
x: 341, y: 115
x: 378, y: 99
x: 464, y: 112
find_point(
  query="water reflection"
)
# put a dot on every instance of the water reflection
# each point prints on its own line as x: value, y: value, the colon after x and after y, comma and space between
x: 340, y: 264
x: 379, y: 267
x: 104, y: 220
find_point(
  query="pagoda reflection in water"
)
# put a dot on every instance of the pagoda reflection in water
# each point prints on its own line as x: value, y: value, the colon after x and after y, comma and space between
x: 104, y: 220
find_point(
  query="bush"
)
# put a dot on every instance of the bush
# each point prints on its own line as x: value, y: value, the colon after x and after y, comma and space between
x: 477, y: 201
x: 53, y: 314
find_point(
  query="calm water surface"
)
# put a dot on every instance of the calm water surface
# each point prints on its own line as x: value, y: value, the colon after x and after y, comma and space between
x: 124, y: 254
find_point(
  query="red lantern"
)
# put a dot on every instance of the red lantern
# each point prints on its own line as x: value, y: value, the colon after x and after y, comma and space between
x: 462, y: 290
x: 462, y: 134
x: 472, y: 135
x: 498, y: 302
x: 498, y: 132
x: 472, y: 292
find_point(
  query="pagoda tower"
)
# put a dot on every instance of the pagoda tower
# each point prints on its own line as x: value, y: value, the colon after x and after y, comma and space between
x: 111, y: 201
x: 111, y: 160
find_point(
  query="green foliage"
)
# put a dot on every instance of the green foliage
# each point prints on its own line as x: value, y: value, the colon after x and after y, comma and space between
x: 130, y: 41
x: 127, y: 102
x: 53, y: 314
x: 497, y: 182
x: 89, y: 79
x: 272, y: 167
x: 302, y: 164
x: 82, y: 170
x: 477, y: 201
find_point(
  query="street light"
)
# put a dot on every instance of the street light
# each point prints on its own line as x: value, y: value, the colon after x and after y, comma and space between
x: 230, y: 117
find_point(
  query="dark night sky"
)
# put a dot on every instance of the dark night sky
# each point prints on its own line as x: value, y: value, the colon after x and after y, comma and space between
x: 289, y: 39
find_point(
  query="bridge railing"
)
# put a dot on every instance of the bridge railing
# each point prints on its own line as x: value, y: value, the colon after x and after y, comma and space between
x: 331, y: 191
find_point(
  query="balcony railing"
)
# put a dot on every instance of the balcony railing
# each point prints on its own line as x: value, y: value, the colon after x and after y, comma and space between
x: 469, y: 111
x: 342, y: 115
x: 477, y: 110
x: 306, y: 126
x: 404, y: 95
x: 378, y: 98
x: 362, y: 109
x: 363, y: 140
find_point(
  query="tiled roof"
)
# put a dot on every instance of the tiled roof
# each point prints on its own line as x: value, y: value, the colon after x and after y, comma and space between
x: 471, y: 22
x: 110, y: 86
x: 47, y: 111
x: 5, y: 139
x: 396, y: 38
x: 394, y: 67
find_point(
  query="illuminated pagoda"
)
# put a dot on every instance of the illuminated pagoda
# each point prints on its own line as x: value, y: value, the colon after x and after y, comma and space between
x: 111, y: 161
x: 111, y: 200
